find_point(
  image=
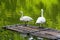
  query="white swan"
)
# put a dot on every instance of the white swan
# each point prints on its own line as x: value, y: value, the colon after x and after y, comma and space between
x: 25, y: 18
x: 41, y: 19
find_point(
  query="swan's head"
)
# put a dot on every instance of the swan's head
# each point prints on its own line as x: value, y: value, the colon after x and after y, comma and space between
x: 41, y: 10
x: 21, y: 11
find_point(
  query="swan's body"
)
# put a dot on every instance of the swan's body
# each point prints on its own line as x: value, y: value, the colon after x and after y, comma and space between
x: 25, y: 18
x: 41, y: 19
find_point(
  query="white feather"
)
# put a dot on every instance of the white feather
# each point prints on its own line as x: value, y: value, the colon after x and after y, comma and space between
x: 41, y: 19
x: 25, y: 18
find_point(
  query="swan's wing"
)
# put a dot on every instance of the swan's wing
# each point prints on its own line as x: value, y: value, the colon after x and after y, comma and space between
x: 38, y: 20
x: 43, y: 20
x: 26, y: 18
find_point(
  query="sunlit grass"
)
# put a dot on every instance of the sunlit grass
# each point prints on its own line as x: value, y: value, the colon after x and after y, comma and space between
x: 9, y: 14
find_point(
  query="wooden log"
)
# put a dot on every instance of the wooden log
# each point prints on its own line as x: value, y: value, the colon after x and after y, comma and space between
x: 35, y: 31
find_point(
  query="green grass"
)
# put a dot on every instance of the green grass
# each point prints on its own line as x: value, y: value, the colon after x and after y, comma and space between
x: 9, y: 14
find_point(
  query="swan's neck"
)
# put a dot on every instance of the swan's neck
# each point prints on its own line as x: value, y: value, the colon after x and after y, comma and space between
x: 41, y: 12
x: 22, y: 15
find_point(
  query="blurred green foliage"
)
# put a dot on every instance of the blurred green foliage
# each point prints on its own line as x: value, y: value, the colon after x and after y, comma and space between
x: 9, y: 14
